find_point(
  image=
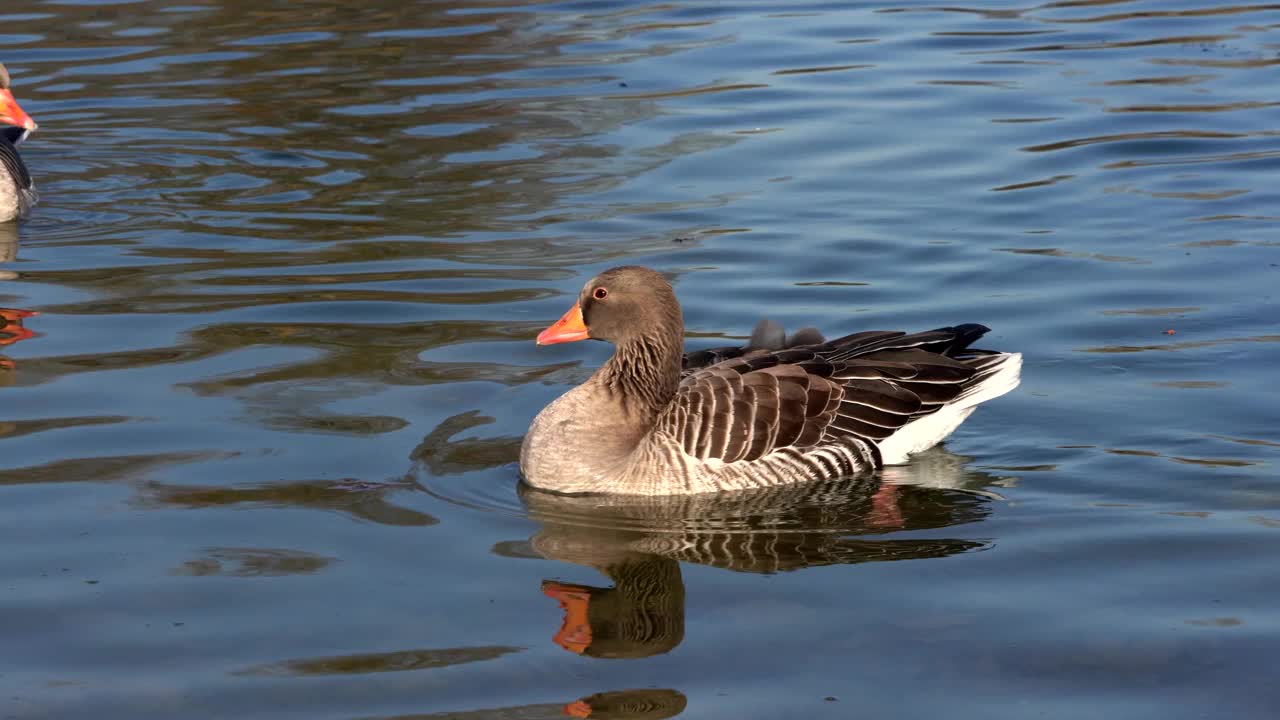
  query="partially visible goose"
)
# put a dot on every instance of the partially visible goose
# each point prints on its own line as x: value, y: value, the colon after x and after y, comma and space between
x: 655, y: 421
x: 17, y: 191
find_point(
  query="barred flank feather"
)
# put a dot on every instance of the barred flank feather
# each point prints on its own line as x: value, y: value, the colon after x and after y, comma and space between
x: 820, y: 411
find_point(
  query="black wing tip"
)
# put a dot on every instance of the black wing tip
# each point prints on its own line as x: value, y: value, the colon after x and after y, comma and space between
x: 965, y: 335
x: 965, y: 330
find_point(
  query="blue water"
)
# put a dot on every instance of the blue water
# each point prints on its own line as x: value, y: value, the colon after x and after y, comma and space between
x: 257, y: 458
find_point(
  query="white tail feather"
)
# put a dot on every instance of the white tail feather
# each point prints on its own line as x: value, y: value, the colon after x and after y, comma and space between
x: 922, y: 434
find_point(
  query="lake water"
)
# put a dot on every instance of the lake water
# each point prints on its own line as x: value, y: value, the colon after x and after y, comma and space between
x: 257, y: 455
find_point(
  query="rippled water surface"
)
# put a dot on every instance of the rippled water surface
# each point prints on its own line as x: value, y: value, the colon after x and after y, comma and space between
x: 257, y: 449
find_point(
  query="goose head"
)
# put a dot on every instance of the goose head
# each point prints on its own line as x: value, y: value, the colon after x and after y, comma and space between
x: 622, y: 306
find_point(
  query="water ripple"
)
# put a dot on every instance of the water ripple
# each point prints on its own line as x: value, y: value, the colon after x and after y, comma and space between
x: 260, y: 444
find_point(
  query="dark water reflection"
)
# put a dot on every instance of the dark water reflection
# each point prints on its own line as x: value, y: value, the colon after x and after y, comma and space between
x: 257, y: 446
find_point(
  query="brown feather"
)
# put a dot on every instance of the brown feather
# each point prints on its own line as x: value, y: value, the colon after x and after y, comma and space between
x: 882, y: 395
x: 740, y: 404
x: 872, y: 415
x: 721, y: 420
x: 739, y: 438
x: 854, y: 426
x: 792, y: 399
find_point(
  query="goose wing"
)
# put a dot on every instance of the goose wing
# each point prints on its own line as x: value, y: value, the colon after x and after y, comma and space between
x: 864, y: 386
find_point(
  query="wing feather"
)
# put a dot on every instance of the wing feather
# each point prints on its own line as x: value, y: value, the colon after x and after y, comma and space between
x: 740, y: 404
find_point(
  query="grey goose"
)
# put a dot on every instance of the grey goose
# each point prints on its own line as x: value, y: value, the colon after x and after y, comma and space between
x: 17, y: 191
x: 654, y: 420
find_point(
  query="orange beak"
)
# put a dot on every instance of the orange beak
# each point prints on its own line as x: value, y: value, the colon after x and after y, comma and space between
x: 569, y: 328
x: 11, y: 114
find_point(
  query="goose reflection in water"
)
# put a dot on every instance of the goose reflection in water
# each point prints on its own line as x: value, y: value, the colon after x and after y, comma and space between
x: 639, y: 543
x: 8, y: 248
x: 12, y: 331
x: 640, y: 704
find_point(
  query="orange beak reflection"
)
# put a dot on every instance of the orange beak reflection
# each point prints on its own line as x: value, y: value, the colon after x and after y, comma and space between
x: 11, y: 114
x: 569, y: 328
x: 575, y: 631
x: 11, y: 330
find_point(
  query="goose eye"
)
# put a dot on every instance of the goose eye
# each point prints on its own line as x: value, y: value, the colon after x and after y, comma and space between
x: 600, y: 293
